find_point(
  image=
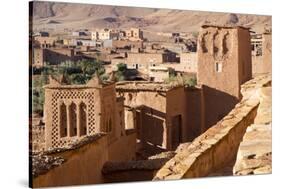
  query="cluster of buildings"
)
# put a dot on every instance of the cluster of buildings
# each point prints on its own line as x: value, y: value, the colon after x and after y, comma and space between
x: 113, y: 47
x: 152, y: 60
x: 137, y: 116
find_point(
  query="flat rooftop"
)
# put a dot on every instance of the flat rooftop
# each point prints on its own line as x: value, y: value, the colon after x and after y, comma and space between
x: 144, y: 86
x: 224, y: 26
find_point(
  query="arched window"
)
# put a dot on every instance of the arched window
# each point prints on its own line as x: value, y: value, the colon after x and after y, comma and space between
x: 83, y: 119
x: 73, y: 119
x: 62, y: 120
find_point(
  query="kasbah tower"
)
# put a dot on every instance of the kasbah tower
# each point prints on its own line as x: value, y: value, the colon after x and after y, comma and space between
x: 224, y: 63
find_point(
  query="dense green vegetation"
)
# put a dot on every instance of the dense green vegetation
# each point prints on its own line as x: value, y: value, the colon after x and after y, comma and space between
x: 121, y: 72
x: 184, y: 80
x: 75, y: 73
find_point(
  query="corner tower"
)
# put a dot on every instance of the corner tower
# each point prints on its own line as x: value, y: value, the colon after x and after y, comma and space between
x: 224, y: 63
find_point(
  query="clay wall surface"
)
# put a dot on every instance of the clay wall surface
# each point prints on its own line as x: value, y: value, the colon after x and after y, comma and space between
x: 158, y: 75
x: 160, y: 117
x: 176, y: 117
x: 144, y: 60
x: 38, y: 57
x: 195, y: 113
x: 263, y: 62
x: 57, y: 56
x: 151, y: 113
x: 245, y: 55
x: 188, y: 62
x: 218, y: 57
x: 218, y: 146
x: 224, y: 63
x: 140, y: 170
x: 108, y: 110
x: 45, y: 41
x: 267, y: 53
x: 38, y: 138
x: 126, y: 43
x: 123, y: 149
x: 83, y: 166
x: 257, y: 64
x: 55, y: 98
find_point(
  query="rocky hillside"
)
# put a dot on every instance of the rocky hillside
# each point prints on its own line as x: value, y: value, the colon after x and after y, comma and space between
x: 60, y: 16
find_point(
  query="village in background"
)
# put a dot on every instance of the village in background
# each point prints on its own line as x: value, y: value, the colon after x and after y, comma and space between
x: 120, y: 98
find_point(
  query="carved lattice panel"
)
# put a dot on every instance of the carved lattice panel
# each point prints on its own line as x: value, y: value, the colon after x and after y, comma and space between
x: 71, y: 96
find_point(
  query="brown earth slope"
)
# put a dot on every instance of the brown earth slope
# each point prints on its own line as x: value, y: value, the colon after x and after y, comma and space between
x: 60, y: 16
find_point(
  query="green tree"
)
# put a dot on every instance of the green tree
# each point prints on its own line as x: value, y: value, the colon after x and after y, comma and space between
x: 121, y: 72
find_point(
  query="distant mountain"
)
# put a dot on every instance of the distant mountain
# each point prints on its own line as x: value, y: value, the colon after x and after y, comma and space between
x: 59, y: 16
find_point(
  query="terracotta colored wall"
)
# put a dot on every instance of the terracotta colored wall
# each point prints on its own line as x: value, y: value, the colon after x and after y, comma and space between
x: 211, y: 51
x: 218, y: 146
x: 122, y: 44
x: 195, y: 113
x: 224, y: 63
x: 123, y: 149
x: 54, y: 96
x: 38, y: 57
x: 176, y: 105
x: 57, y: 56
x: 245, y: 55
x: 213, y: 149
x: 108, y: 109
x: 188, y: 62
x: 144, y: 59
x: 83, y: 166
x: 152, y: 106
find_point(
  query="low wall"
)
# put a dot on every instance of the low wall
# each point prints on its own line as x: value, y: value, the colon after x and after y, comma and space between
x: 218, y: 146
x: 82, y: 166
x: 124, y: 149
x: 130, y: 171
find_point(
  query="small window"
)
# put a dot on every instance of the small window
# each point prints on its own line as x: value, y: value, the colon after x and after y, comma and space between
x: 218, y: 67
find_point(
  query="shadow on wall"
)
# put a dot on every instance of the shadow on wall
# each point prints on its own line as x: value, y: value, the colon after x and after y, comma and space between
x: 150, y: 129
x: 55, y: 58
x: 217, y: 104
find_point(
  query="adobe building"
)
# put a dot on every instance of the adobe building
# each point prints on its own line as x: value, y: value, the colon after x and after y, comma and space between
x: 37, y: 57
x: 164, y: 115
x: 74, y: 111
x: 45, y: 42
x: 134, y: 34
x: 142, y: 61
x: 158, y: 73
x: 101, y: 34
x: 126, y: 44
x: 224, y: 63
x: 261, y: 45
x: 53, y: 56
x: 188, y: 62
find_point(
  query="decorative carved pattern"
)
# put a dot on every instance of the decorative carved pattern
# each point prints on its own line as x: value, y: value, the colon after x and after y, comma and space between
x: 73, y: 99
x: 226, y: 43
x: 203, y: 42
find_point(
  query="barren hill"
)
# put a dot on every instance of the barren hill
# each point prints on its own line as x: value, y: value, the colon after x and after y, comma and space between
x: 61, y: 16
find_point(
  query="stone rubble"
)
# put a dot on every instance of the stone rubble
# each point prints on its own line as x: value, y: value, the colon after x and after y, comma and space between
x: 43, y: 163
x: 255, y: 151
x: 188, y: 154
